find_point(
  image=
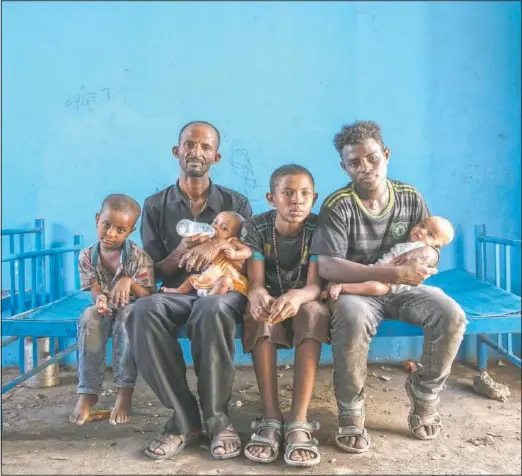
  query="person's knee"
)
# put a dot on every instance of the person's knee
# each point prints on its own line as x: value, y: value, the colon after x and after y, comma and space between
x: 351, y: 315
x: 144, y: 306
x: 313, y: 314
x: 212, y: 313
x: 90, y: 330
x: 452, y: 317
x: 123, y: 313
x: 141, y: 314
x: 90, y: 318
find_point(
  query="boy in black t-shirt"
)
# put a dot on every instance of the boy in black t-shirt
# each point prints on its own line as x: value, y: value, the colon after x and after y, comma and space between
x: 284, y: 284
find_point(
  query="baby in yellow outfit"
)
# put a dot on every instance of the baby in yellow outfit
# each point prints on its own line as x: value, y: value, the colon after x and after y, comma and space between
x: 224, y: 274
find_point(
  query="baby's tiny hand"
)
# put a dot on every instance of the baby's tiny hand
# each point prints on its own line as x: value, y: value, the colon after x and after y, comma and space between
x: 230, y: 253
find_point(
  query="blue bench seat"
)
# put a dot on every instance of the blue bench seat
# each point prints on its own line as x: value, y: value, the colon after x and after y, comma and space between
x: 488, y: 308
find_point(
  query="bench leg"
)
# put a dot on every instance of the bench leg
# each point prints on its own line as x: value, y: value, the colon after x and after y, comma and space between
x: 482, y: 354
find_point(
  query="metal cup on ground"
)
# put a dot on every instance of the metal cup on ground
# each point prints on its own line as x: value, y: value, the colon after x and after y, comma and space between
x: 48, y: 377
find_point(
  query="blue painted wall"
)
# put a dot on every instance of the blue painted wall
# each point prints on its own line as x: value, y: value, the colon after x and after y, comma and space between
x: 95, y: 93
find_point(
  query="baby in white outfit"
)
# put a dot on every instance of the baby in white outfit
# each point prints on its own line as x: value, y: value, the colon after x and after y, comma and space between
x: 432, y: 231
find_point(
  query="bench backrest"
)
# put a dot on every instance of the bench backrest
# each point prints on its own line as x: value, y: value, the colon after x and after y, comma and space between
x: 503, y: 249
x: 43, y: 286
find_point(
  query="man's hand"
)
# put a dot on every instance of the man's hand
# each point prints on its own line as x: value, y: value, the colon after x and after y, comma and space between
x: 120, y: 293
x: 170, y: 265
x: 192, y: 241
x: 425, y: 255
x: 101, y: 305
x: 202, y: 255
x: 413, y: 273
x: 260, y: 305
x: 283, y: 307
x: 189, y: 243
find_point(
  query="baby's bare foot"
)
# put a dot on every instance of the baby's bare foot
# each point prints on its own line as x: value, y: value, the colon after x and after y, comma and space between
x: 335, y: 290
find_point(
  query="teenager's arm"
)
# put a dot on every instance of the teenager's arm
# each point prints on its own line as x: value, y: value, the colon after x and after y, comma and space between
x: 259, y: 299
x: 289, y: 303
x: 343, y: 271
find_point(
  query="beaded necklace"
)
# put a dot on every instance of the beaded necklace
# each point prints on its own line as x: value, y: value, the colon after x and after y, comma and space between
x: 278, y: 269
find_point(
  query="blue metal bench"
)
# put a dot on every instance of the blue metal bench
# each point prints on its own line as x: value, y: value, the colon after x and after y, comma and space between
x: 47, y: 290
x: 489, y: 309
x: 14, y: 299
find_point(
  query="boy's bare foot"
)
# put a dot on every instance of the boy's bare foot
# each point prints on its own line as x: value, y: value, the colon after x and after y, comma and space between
x: 121, y: 411
x: 83, y: 408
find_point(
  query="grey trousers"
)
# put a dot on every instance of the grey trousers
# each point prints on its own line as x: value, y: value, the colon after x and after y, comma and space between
x: 354, y: 323
x: 94, y: 331
x: 211, y: 326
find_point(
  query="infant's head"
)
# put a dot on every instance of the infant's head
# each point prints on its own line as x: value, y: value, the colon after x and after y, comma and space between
x: 227, y: 224
x: 433, y: 231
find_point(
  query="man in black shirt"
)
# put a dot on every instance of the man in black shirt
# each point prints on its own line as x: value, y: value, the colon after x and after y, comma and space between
x: 210, y: 321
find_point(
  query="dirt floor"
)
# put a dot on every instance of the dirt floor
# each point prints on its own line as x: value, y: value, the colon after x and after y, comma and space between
x: 481, y: 436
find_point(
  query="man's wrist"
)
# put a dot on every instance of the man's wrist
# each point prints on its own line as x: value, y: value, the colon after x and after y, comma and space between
x: 396, y: 275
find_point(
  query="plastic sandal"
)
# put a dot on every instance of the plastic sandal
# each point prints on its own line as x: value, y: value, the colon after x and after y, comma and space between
x: 257, y: 440
x: 218, y: 442
x: 310, y: 445
x: 172, y: 448
x: 415, y: 421
x: 352, y: 431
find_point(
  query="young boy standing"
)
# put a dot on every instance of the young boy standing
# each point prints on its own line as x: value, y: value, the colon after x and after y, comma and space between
x: 284, y: 311
x: 117, y: 272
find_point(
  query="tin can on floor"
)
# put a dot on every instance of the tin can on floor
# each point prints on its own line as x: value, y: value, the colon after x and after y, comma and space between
x: 48, y: 377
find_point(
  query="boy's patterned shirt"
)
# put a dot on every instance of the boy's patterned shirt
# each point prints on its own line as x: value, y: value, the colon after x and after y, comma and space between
x: 134, y: 262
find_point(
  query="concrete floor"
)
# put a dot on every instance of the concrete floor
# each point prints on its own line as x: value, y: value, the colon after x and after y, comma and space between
x: 480, y: 436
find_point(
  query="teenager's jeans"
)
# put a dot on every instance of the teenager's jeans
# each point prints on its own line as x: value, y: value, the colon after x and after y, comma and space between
x: 354, y: 323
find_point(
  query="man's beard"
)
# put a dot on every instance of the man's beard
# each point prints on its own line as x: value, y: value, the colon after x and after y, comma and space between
x: 196, y: 172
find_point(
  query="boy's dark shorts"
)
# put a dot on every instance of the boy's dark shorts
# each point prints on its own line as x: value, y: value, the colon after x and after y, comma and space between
x: 312, y: 321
